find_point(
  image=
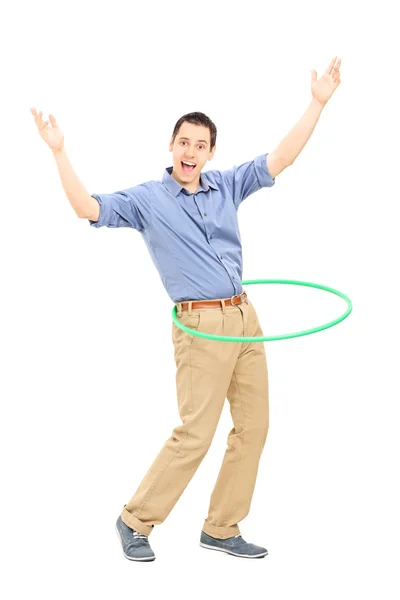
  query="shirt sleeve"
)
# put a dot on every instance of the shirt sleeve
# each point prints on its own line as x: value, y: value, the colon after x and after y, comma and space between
x: 125, y: 208
x: 247, y: 178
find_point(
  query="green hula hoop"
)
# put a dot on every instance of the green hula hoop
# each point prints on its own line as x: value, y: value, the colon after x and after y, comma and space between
x: 225, y: 338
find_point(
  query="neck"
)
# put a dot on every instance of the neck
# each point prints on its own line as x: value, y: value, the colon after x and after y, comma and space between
x: 191, y: 186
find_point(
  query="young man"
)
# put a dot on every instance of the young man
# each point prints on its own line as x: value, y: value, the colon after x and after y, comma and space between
x: 188, y: 220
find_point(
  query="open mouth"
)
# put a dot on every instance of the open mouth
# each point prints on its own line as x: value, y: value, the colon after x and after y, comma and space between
x: 186, y: 168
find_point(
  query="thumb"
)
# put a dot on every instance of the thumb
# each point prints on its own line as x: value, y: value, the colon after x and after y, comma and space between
x: 313, y: 75
x: 53, y: 120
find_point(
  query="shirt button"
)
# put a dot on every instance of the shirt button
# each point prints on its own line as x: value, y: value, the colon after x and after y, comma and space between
x: 211, y: 236
x: 205, y: 214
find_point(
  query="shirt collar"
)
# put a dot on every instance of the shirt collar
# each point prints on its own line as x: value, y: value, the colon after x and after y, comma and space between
x: 174, y: 187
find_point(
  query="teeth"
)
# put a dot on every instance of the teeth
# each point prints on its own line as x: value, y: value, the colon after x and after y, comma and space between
x: 188, y: 163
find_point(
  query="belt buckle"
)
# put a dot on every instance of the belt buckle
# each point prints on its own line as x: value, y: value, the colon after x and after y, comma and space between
x: 237, y: 296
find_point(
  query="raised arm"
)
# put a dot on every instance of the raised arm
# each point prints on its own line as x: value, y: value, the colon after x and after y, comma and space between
x: 83, y: 204
x: 291, y: 145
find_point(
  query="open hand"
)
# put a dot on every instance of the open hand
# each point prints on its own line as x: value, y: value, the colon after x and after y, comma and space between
x: 323, y: 88
x: 53, y: 136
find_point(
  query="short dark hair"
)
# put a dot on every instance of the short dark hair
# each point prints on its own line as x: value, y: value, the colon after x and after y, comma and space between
x: 197, y: 118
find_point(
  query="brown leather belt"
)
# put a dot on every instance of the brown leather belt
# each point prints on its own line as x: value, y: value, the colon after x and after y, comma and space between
x: 238, y: 299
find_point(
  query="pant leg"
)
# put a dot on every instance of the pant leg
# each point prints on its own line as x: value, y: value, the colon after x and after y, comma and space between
x: 204, y: 372
x: 249, y: 405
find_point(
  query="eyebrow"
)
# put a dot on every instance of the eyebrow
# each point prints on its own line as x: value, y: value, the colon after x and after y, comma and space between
x: 185, y: 138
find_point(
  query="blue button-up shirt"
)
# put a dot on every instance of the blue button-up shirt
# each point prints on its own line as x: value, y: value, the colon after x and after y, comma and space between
x: 193, y: 238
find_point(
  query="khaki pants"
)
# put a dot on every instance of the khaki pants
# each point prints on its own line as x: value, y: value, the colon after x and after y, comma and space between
x: 208, y: 372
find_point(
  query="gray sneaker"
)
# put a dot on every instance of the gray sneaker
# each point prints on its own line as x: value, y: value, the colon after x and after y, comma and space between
x: 135, y: 545
x: 234, y: 545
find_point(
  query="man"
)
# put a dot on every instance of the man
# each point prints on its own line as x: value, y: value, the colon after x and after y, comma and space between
x: 189, y: 223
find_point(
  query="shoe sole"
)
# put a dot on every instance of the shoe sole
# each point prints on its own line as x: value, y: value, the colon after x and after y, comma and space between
x: 143, y: 559
x: 234, y: 553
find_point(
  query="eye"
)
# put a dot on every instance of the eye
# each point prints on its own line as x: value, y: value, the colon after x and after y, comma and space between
x: 184, y: 142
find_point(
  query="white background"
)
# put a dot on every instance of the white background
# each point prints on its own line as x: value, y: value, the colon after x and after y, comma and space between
x: 88, y: 375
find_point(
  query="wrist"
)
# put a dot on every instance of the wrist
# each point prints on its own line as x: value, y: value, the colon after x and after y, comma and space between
x: 317, y: 104
x: 58, y: 151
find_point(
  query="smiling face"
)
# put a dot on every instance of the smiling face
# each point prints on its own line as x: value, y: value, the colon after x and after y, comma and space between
x: 192, y: 144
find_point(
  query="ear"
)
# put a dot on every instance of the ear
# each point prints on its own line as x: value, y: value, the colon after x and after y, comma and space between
x: 171, y: 145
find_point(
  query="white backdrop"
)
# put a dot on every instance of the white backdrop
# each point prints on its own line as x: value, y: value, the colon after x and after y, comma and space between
x: 88, y: 374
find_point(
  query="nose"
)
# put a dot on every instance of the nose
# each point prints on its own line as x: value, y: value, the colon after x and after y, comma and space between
x: 189, y: 152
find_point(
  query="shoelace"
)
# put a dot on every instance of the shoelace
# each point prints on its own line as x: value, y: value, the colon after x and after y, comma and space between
x: 138, y: 535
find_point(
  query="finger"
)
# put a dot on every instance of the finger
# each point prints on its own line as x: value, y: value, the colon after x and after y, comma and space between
x: 331, y: 64
x: 42, y: 123
x: 329, y: 67
x: 34, y: 113
x: 337, y: 67
x: 38, y: 119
